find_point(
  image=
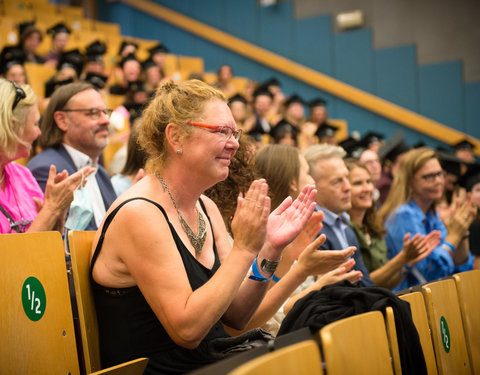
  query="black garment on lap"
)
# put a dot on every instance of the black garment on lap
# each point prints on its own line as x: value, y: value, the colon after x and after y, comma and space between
x: 343, y: 299
x: 128, y: 327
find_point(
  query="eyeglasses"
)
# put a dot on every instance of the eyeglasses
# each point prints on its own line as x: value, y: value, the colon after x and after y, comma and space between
x: 93, y: 113
x: 19, y: 95
x: 430, y: 177
x: 225, y: 130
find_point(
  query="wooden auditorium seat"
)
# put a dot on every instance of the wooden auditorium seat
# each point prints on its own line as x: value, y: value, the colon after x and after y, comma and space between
x: 302, y: 358
x: 420, y: 319
x: 445, y: 319
x: 80, y: 245
x: 468, y: 290
x: 393, y: 340
x: 36, y: 321
x: 356, y: 345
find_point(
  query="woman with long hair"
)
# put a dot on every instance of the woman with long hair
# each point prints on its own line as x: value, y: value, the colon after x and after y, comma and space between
x: 370, y: 233
x: 410, y: 207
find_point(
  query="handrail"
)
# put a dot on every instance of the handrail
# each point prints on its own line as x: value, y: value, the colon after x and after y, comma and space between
x: 311, y: 77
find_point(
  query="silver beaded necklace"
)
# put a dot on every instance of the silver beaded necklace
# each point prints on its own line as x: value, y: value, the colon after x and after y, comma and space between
x: 197, y: 240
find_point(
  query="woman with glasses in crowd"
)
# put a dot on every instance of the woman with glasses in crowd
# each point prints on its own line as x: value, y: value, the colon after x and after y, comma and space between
x: 165, y: 277
x: 23, y: 206
x: 410, y: 208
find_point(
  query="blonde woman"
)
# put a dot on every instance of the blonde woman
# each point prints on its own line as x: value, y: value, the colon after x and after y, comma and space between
x: 410, y: 207
x: 23, y: 206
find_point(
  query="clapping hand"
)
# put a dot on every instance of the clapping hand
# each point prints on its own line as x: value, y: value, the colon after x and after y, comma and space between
x: 289, y: 218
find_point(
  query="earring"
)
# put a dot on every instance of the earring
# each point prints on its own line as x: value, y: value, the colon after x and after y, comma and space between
x: 179, y: 151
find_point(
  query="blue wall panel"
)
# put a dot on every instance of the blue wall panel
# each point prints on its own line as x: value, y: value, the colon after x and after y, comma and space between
x: 441, y: 93
x: 354, y: 63
x: 242, y: 20
x: 472, y: 108
x: 276, y: 28
x: 396, y: 76
x: 314, y: 43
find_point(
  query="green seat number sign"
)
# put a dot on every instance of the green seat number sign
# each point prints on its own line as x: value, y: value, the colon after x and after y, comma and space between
x: 33, y: 298
x: 445, y: 334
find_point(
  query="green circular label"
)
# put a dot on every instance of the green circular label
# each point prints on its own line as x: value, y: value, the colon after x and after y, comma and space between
x: 445, y: 334
x: 33, y: 298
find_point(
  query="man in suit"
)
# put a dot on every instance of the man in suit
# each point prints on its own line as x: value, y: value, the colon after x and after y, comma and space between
x: 74, y: 134
x: 333, y: 198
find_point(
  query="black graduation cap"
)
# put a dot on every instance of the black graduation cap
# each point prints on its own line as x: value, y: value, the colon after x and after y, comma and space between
x: 11, y: 55
x: 52, y: 85
x: 471, y: 177
x: 97, y: 80
x: 158, y: 48
x: 126, y: 43
x: 57, y: 29
x: 317, y: 102
x: 283, y: 127
x: 262, y: 90
x: 393, y: 147
x: 272, y: 82
x: 23, y: 26
x: 326, y: 130
x: 450, y: 163
x: 464, y: 144
x: 130, y: 56
x: 148, y: 63
x: 353, y: 147
x: 371, y: 137
x: 71, y: 59
x: 294, y: 99
x: 96, y: 48
x: 237, y: 98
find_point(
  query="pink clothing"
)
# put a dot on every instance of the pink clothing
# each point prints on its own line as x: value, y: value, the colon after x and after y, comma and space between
x: 17, y: 199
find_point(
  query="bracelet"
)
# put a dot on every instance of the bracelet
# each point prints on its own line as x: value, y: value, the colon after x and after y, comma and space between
x: 276, y: 278
x: 448, y: 245
x: 257, y: 276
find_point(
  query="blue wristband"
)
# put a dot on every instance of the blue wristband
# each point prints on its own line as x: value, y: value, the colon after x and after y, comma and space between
x: 257, y: 276
x: 276, y: 278
x: 449, y: 245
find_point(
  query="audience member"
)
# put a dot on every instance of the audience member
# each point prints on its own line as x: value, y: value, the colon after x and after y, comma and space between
x: 372, y: 141
x: 370, y: 232
x: 11, y: 65
x: 294, y: 111
x: 158, y: 54
x: 23, y: 205
x: 94, y: 62
x: 151, y: 281
x: 287, y: 172
x: 333, y: 198
x: 29, y: 41
x: 261, y: 106
x: 471, y: 182
x: 284, y: 133
x: 410, y: 208
x: 134, y: 165
x: 74, y: 134
x: 224, y: 81
x: 390, y: 154
x: 130, y: 71
x: 60, y: 34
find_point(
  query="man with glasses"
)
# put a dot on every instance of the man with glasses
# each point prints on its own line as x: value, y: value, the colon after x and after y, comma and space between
x: 74, y: 134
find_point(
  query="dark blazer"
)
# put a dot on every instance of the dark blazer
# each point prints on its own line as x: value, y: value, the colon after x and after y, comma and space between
x: 333, y: 243
x: 58, y: 156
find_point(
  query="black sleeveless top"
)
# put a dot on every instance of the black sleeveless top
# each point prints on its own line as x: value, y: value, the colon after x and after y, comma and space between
x: 129, y: 329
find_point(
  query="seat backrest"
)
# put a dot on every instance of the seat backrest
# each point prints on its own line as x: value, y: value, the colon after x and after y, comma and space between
x: 420, y: 319
x: 445, y: 320
x: 302, y: 358
x: 36, y: 321
x: 80, y: 244
x: 468, y: 289
x: 393, y: 340
x: 357, y: 345
x: 135, y: 367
